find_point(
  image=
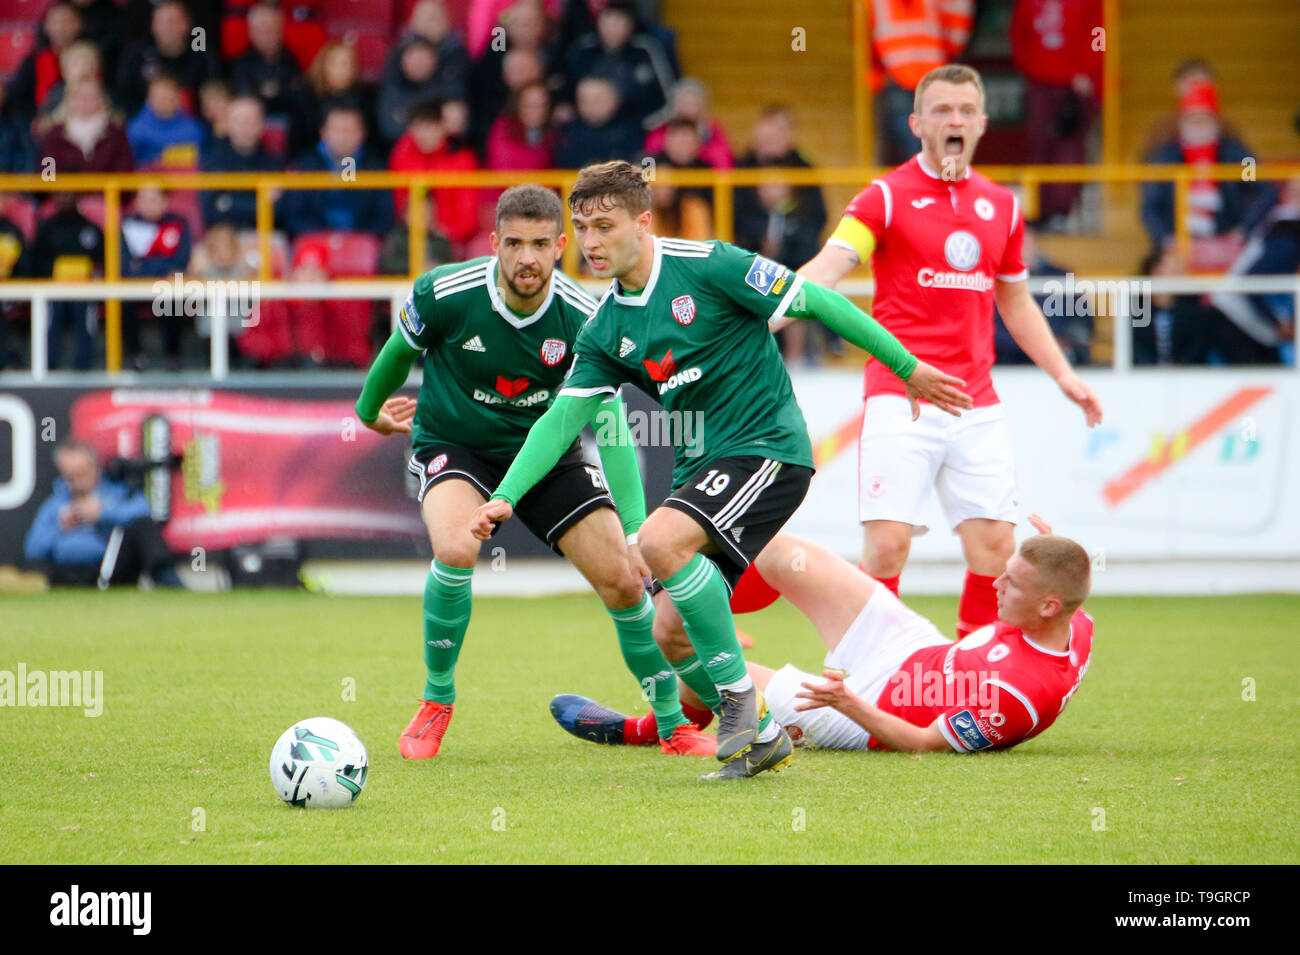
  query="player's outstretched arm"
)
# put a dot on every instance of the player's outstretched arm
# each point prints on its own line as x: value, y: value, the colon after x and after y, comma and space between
x: 898, y: 734
x: 826, y: 268
x: 1025, y: 321
x: 618, y: 457
x: 547, y: 441
x: 388, y: 373
x: 841, y: 316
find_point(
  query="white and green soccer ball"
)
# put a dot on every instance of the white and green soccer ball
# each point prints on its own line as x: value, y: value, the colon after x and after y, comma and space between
x: 319, y: 764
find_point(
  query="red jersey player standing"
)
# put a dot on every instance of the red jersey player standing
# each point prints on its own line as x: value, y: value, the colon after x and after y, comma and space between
x: 944, y: 244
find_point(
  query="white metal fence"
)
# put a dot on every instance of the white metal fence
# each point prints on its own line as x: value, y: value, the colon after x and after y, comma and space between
x: 1111, y: 292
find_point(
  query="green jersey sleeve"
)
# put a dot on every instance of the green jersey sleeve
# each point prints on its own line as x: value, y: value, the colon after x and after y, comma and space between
x: 853, y: 325
x: 618, y: 457
x: 757, y: 284
x: 419, y: 320
x: 386, y: 375
x: 547, y: 441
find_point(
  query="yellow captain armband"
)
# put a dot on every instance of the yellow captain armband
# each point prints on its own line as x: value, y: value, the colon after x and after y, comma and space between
x: 853, y: 234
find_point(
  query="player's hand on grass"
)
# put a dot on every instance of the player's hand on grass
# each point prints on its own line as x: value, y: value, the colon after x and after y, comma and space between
x: 1040, y: 525
x: 940, y: 389
x: 1081, y: 395
x: 495, y: 511
x: 832, y: 693
x: 394, y: 417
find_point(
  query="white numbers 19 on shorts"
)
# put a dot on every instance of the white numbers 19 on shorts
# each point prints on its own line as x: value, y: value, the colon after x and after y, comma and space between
x: 714, y: 485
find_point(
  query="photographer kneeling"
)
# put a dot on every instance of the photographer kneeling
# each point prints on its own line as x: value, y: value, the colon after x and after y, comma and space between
x: 93, y: 529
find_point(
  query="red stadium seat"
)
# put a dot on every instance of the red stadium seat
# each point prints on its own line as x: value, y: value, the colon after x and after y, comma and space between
x: 303, y: 38
x: 91, y: 205
x: 21, y: 212
x: 375, y: 15
x: 248, y: 247
x: 347, y: 254
x: 29, y: 12
x: 15, y: 43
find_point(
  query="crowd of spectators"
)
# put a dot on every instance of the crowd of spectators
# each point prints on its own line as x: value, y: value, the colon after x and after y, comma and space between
x: 334, y: 86
x: 343, y: 86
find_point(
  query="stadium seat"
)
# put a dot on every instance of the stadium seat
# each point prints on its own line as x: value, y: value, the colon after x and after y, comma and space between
x: 347, y: 254
x: 15, y: 42
x: 21, y: 212
x: 339, y: 15
x: 302, y: 37
x: 28, y: 12
x: 91, y: 205
x: 248, y: 247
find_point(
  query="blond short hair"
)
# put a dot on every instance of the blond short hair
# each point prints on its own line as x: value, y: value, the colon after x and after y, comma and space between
x: 1063, y: 566
x: 956, y: 73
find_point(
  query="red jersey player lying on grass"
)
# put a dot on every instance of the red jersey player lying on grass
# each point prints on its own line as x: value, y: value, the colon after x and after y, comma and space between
x: 891, y: 679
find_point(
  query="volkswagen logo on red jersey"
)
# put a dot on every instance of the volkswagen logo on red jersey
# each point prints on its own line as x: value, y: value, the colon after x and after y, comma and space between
x: 962, y: 250
x: 553, y: 350
x: 437, y: 464
x: 684, y: 309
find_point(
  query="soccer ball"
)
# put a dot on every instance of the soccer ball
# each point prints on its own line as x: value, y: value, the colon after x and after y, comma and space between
x: 319, y: 763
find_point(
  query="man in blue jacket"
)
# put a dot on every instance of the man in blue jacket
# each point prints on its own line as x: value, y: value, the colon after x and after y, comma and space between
x: 342, y: 151
x: 74, y: 527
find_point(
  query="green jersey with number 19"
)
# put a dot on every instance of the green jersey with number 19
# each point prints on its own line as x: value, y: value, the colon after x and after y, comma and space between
x: 489, y: 374
x: 696, y: 338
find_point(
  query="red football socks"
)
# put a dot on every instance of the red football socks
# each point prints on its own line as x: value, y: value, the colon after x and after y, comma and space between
x: 642, y: 731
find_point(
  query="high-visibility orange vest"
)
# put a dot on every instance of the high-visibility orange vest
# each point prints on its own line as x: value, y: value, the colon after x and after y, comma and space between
x: 909, y: 38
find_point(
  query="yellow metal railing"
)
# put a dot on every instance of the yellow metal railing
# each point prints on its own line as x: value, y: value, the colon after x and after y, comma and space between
x: 722, y: 182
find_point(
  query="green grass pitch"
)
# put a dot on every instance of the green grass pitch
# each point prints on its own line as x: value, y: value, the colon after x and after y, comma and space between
x: 1159, y: 759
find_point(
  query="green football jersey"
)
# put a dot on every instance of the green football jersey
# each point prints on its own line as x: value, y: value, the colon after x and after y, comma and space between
x: 696, y: 338
x: 488, y: 373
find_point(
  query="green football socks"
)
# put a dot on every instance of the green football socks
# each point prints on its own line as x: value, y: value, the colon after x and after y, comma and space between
x: 657, y: 679
x: 700, y: 596
x: 447, y: 602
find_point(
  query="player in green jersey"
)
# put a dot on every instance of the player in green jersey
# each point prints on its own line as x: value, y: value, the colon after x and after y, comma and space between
x: 687, y: 322
x: 497, y: 336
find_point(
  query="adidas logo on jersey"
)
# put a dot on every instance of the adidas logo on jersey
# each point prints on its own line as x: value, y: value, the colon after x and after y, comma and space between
x: 474, y: 344
x: 626, y: 347
x: 736, y: 532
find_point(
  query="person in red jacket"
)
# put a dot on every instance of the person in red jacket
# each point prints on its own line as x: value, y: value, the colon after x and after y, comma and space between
x: 424, y: 147
x: 523, y: 138
x: 1056, y: 44
x: 40, y: 71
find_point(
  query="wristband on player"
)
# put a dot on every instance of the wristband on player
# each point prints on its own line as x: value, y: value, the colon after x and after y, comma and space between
x: 631, y: 539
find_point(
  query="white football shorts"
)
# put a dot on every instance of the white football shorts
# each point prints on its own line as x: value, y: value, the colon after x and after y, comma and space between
x: 875, y: 647
x: 967, y: 460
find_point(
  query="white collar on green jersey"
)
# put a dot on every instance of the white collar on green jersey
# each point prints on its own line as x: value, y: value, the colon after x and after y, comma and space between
x: 640, y: 298
x: 503, y: 309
